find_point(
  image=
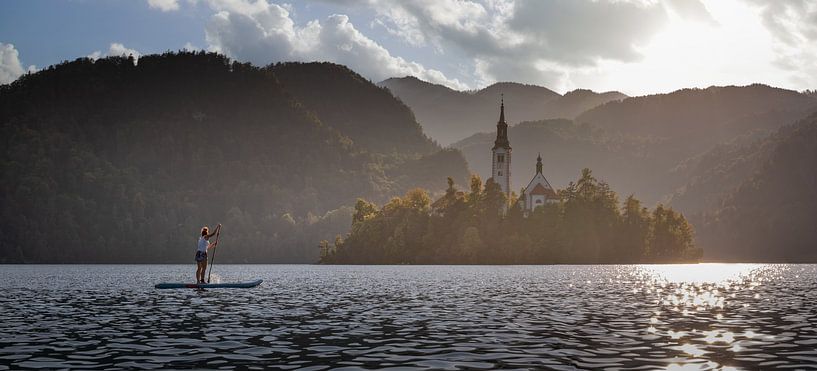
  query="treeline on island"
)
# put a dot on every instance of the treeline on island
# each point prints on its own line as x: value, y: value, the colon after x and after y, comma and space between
x: 587, y: 225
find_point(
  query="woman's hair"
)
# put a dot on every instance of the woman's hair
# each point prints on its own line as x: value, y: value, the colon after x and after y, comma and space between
x: 205, y: 231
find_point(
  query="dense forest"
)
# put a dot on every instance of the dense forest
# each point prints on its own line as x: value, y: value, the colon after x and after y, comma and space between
x: 587, y: 225
x: 354, y: 106
x: 118, y: 161
x: 767, y: 198
x: 449, y: 115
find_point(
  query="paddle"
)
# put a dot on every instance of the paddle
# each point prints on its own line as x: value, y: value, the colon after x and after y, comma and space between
x: 218, y: 232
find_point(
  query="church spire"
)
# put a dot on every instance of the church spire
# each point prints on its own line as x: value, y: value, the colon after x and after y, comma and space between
x: 502, y: 108
x: 539, y: 164
x: 502, y: 128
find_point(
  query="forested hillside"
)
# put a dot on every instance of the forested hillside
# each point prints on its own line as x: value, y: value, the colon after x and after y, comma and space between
x: 112, y: 161
x: 652, y: 145
x: 349, y: 103
x: 715, y: 174
x: 771, y: 214
x: 690, y: 121
x: 449, y: 115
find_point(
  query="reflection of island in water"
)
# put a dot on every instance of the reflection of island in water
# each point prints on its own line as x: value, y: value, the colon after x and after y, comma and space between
x: 441, y: 317
x: 490, y: 224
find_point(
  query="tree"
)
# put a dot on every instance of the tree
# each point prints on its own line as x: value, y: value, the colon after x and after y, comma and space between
x: 363, y: 210
x: 324, y: 250
x: 672, y: 236
x: 635, y: 231
x: 585, y: 226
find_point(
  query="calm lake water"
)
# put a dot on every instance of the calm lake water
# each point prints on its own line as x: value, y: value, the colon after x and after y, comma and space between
x: 437, y: 317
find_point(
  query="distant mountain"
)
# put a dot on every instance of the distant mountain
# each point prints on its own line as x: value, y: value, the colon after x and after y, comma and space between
x: 683, y: 125
x: 771, y: 214
x: 652, y: 146
x: 112, y: 161
x: 523, y: 97
x: 449, y: 115
x: 696, y: 119
x: 577, y: 101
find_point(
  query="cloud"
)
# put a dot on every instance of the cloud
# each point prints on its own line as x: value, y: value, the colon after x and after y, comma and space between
x: 692, y: 10
x: 560, y: 43
x: 116, y: 50
x: 262, y: 33
x: 10, y: 66
x: 188, y: 46
x: 424, y: 22
x: 164, y: 5
x: 790, y: 21
x: 577, y: 33
x: 532, y: 40
x: 639, y: 46
x: 793, y: 24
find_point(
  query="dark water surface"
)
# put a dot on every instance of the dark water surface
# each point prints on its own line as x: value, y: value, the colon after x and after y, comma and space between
x: 439, y: 317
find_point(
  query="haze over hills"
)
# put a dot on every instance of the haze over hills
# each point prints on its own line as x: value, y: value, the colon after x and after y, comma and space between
x: 108, y: 161
x: 771, y: 214
x: 695, y: 119
x: 685, y: 124
x: 694, y: 149
x: 566, y: 148
x: 713, y: 175
x: 644, y: 145
x: 449, y: 115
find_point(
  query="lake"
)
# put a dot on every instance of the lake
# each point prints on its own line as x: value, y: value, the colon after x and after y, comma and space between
x: 741, y: 316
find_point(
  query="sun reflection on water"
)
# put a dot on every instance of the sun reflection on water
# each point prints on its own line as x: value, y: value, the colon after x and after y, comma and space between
x: 700, y: 308
x: 691, y: 350
x: 697, y: 274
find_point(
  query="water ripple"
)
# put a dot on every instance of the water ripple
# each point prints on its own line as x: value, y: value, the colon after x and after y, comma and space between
x: 428, y: 317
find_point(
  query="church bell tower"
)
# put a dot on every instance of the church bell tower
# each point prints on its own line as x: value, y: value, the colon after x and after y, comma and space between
x: 501, y: 162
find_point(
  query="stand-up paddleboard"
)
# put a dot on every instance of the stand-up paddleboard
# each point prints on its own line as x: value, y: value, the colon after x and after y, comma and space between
x: 226, y: 285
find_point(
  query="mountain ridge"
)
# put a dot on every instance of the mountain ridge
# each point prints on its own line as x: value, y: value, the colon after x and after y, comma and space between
x: 114, y: 161
x: 653, y: 162
x: 448, y: 115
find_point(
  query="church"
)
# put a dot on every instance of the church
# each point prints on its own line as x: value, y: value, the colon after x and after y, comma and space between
x: 538, y: 192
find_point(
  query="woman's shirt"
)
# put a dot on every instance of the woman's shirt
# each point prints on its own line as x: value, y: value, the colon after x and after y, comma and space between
x: 203, y: 244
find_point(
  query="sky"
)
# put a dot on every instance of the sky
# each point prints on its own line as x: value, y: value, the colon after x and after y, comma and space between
x: 637, y: 47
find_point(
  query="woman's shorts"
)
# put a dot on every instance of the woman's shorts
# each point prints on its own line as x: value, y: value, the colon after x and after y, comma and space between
x: 201, y: 256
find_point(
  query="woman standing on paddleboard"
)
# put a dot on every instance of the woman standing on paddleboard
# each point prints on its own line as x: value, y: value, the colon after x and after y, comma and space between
x: 201, y: 252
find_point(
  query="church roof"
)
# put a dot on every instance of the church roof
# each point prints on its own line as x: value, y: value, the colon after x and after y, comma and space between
x: 502, y: 129
x: 540, y: 186
x: 539, y: 189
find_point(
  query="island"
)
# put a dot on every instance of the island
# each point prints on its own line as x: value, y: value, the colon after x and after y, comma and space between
x: 581, y: 224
